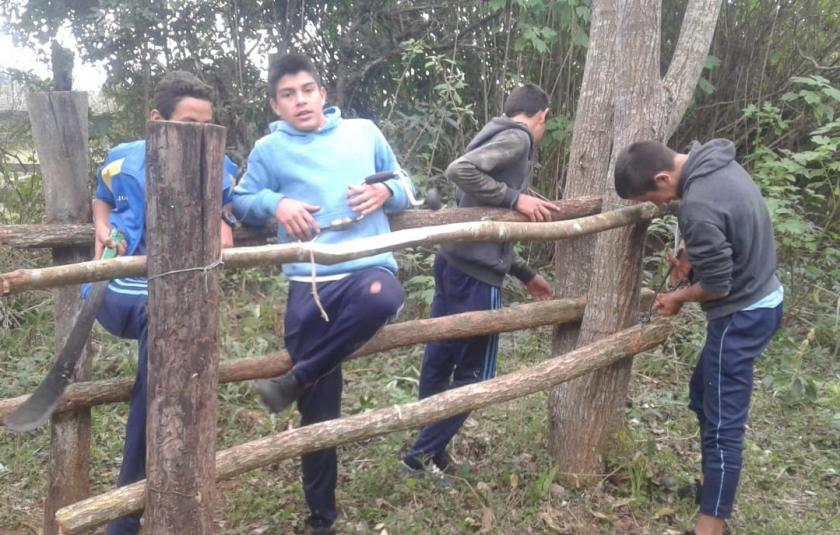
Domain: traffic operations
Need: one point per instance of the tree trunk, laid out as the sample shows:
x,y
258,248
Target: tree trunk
x,y
60,128
264,451
183,200
587,411
588,165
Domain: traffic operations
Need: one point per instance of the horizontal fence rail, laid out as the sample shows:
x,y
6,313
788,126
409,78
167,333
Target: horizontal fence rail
x,y
97,510
240,257
38,236
508,319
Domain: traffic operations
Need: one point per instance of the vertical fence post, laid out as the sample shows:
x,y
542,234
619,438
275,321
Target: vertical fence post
x,y
183,209
60,128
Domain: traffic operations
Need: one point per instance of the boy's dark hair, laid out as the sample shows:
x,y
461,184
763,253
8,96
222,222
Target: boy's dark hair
x,y
636,166
176,85
289,64
528,99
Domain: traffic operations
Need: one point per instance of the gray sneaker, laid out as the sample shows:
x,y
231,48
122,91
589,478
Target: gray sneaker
x,y
413,468
278,393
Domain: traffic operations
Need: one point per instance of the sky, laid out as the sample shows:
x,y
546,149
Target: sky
x,y
86,76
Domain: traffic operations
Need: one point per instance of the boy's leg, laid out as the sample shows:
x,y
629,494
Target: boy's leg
x,y
732,345
474,358
321,402
124,315
358,306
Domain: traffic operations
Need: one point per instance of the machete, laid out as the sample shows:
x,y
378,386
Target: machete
x,y
38,408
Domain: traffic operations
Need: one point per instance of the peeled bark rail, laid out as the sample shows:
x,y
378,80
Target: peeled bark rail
x,y
240,257
39,236
239,459
515,318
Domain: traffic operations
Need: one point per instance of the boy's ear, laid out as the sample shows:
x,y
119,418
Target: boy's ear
x,y
662,179
155,115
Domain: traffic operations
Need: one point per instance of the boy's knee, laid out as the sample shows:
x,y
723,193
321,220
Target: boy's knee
x,y
383,297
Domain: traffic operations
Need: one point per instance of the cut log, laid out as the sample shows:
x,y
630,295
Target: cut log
x,y
36,236
264,451
240,257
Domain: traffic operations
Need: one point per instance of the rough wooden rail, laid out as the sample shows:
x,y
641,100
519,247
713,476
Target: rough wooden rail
x,y
39,235
96,511
240,257
508,319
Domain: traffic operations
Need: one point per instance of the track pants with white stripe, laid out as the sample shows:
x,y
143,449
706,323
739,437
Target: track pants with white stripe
x,y
720,392
123,314
449,364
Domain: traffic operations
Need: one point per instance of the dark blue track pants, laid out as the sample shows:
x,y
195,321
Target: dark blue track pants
x,y
720,392
358,306
449,364
124,315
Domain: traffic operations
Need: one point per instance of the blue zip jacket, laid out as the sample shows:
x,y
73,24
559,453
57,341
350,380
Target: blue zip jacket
x,y
317,168
121,182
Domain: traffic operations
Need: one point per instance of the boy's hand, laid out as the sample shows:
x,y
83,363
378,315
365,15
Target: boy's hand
x,y
296,218
226,236
539,288
103,240
367,198
534,208
668,304
680,265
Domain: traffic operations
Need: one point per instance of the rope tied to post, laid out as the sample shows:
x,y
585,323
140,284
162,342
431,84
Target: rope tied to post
x,y
218,263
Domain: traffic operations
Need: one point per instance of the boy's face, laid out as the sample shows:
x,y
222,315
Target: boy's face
x,y
299,100
665,192
538,130
188,110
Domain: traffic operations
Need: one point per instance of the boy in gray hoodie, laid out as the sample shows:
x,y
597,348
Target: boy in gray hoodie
x,y
730,261
495,171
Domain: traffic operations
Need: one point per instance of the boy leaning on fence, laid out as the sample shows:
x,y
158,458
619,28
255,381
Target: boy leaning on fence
x,y
309,173
495,171
731,261
120,204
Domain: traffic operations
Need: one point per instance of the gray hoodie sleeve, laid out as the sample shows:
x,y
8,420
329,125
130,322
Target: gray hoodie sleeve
x,y
470,171
710,254
520,269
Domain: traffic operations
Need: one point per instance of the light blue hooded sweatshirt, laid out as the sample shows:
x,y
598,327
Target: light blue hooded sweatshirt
x,y
317,168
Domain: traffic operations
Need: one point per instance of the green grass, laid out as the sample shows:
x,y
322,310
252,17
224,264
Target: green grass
x,y
790,483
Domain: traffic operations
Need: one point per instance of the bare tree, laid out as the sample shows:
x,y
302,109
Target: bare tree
x,y
628,102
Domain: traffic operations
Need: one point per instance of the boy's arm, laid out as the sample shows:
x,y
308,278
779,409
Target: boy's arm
x,y
537,286
228,179
103,205
520,269
384,160
471,171
255,198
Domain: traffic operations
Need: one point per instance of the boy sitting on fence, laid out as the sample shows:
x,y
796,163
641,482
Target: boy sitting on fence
x,y
120,203
495,171
731,261
309,173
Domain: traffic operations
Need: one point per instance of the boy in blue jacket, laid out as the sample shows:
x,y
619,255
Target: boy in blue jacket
x,y
731,261
309,172
120,203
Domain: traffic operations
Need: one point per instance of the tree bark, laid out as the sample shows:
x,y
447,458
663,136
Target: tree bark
x,y
135,266
403,334
183,207
588,165
36,236
261,452
60,128
590,408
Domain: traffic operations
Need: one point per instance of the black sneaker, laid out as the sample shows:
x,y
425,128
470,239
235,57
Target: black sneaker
x,y
448,465
411,466
320,530
278,393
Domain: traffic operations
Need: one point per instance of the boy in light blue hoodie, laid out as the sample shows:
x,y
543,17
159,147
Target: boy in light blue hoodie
x,y
309,173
